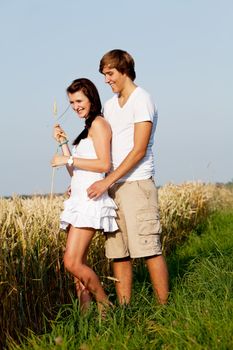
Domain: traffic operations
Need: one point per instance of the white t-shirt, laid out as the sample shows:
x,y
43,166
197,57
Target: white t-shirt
x,y
138,108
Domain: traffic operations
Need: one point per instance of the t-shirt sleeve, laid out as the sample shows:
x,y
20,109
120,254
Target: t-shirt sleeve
x,y
105,110
145,109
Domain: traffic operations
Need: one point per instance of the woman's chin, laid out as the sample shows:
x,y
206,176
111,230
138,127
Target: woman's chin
x,y
81,116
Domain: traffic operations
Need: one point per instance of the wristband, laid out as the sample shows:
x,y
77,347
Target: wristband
x,y
63,143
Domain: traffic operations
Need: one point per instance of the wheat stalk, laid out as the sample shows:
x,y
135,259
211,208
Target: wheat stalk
x,y
53,169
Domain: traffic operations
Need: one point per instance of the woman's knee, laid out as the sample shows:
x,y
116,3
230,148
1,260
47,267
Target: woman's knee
x,y
72,264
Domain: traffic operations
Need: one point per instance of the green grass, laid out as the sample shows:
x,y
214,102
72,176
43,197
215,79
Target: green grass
x,y
199,314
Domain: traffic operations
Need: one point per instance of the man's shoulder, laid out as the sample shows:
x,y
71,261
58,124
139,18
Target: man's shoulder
x,y
111,100
142,92
109,106
142,98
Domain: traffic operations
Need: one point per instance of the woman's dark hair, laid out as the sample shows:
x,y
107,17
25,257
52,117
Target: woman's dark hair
x,y
91,92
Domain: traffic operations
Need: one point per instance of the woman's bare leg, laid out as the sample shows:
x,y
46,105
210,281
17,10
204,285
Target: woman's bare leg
x,y
77,245
83,293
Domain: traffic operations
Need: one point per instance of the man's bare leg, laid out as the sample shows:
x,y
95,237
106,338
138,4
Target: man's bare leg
x,y
158,271
122,269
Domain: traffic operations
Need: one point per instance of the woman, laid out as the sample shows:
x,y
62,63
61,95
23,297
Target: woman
x,y
89,161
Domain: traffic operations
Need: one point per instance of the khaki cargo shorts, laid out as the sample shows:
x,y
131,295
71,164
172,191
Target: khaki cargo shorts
x,y
138,221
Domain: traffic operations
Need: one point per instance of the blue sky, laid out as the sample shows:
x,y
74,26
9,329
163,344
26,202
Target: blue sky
x,y
183,52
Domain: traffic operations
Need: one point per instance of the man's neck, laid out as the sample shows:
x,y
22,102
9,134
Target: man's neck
x,y
125,93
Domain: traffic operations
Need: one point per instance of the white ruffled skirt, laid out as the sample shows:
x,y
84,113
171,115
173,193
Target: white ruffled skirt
x,y
84,212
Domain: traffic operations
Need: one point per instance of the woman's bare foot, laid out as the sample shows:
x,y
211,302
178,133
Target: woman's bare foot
x,y
84,296
85,300
104,307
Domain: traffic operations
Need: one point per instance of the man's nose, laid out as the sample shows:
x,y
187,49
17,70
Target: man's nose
x,y
106,79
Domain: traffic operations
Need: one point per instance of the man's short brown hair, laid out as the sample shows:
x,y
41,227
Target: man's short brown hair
x,y
120,60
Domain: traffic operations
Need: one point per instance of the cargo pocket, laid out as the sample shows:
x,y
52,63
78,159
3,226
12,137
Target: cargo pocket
x,y
149,228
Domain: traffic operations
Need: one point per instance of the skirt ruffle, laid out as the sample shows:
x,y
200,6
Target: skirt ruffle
x,y
99,214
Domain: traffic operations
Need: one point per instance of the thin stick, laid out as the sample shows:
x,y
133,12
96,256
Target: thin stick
x,y
111,278
53,171
52,183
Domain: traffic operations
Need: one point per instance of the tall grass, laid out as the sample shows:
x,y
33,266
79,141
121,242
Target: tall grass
x,y
33,280
185,206
199,314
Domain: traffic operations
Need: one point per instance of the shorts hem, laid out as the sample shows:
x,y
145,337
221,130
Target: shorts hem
x,y
146,255
118,257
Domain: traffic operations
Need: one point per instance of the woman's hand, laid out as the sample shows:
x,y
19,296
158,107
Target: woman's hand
x,y
59,134
59,160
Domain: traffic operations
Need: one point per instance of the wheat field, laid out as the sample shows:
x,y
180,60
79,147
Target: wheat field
x,y
33,281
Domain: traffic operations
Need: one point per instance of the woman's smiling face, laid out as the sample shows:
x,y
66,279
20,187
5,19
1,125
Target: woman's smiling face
x,y
80,103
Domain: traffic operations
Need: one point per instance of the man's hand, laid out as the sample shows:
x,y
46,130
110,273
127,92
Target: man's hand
x,y
97,189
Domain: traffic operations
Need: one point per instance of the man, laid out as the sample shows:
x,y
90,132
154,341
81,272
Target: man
x,y
133,117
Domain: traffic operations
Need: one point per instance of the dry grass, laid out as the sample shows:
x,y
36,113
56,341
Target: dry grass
x,y
32,278
33,281
184,206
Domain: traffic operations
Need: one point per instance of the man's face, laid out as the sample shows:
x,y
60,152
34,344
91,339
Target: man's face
x,y
114,78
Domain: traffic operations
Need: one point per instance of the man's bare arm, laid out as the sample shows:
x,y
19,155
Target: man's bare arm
x,y
142,132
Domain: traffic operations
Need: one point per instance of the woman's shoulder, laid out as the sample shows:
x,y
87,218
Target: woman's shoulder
x,y
100,124
100,121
